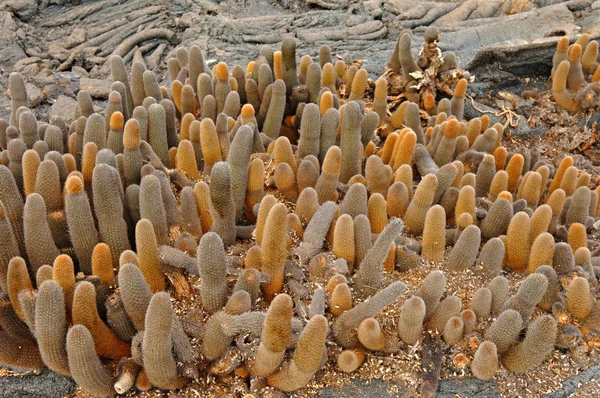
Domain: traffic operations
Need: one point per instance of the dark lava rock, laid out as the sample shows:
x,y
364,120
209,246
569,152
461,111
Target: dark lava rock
x,y
46,384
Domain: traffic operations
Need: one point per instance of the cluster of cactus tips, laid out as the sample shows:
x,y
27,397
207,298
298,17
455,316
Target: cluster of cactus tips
x,y
329,188
575,74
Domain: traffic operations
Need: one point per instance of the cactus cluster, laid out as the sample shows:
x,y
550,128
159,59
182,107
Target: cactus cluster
x,y
329,195
575,74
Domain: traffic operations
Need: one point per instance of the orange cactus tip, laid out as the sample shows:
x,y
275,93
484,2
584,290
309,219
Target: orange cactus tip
x,y
485,122
452,127
563,45
575,53
289,121
326,102
62,261
506,195
429,101
327,96
74,185
131,137
461,88
117,121
247,111
305,61
250,67
596,76
221,71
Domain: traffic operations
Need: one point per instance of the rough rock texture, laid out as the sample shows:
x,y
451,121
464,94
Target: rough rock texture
x,y
447,389
572,384
60,48
64,107
467,388
359,388
45,384
98,88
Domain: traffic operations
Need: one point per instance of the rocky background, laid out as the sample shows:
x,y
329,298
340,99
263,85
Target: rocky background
x,y
61,46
